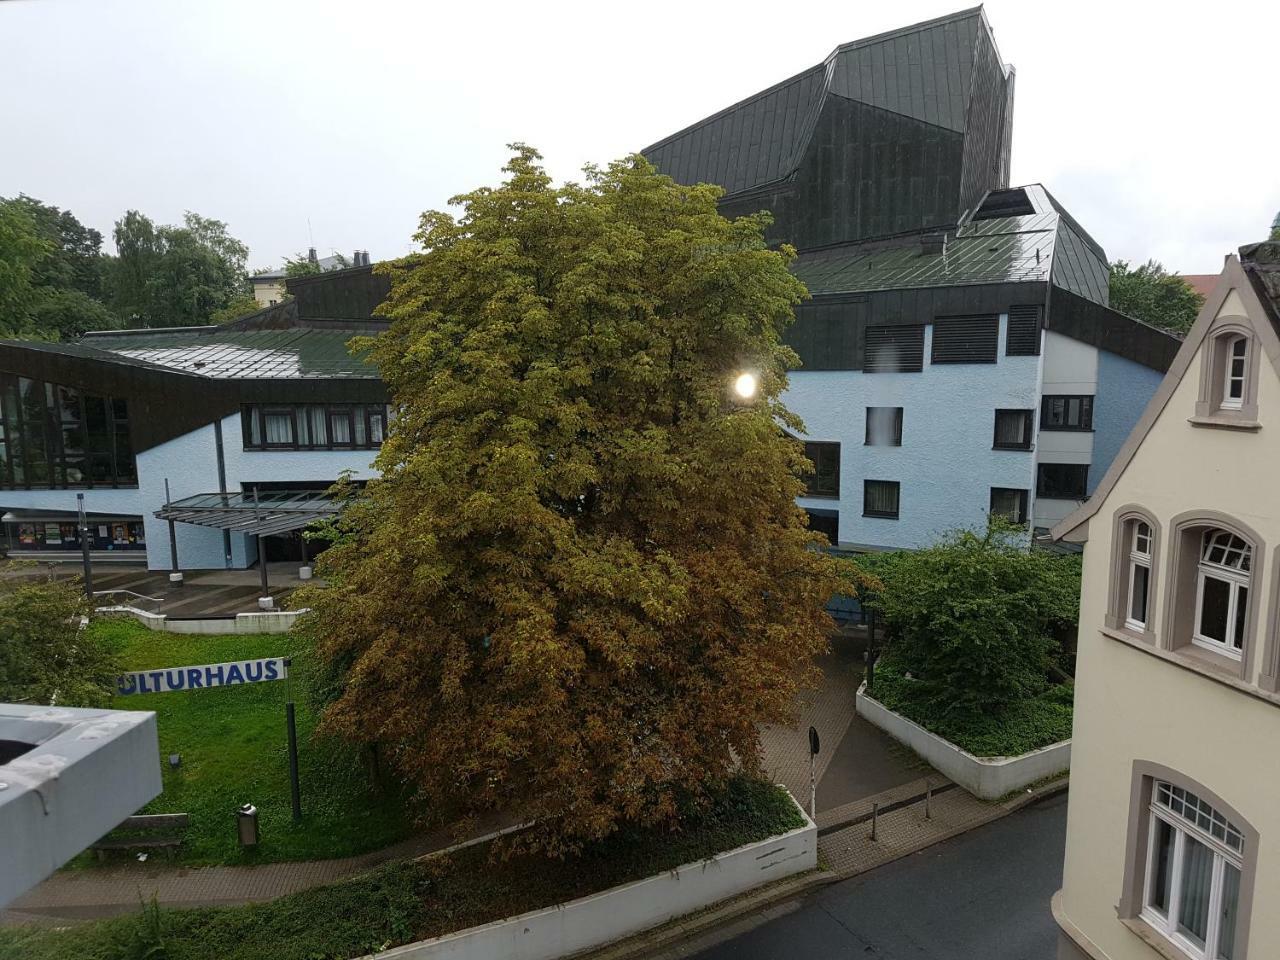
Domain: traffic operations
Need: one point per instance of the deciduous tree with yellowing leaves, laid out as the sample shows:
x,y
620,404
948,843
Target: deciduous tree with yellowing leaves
x,y
582,582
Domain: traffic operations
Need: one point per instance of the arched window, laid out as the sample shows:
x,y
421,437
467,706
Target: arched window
x,y
1222,592
1194,863
1235,353
1139,593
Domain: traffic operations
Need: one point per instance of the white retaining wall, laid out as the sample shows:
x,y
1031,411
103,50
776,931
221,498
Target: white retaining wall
x,y
276,621
985,777
621,912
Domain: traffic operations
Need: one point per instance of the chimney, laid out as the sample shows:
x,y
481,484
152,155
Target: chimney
x,y
355,259
365,254
933,243
311,255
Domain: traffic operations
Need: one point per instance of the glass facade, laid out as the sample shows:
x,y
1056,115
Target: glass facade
x,y
340,426
53,435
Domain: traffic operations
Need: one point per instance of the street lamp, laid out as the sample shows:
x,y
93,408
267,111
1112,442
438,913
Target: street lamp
x,y
746,386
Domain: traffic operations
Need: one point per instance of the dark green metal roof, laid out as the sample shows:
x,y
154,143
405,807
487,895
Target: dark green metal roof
x,y
242,354
1033,248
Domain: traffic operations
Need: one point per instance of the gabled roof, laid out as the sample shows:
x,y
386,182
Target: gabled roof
x,y
922,71
1257,282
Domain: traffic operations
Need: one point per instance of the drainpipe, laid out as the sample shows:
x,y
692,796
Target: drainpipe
x,y
222,487
176,576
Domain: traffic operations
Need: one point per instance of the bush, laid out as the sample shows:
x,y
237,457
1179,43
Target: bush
x,y
972,617
1019,727
45,656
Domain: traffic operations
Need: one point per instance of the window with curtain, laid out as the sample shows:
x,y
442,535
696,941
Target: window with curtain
x,y
1194,860
313,426
277,428
1009,503
1013,430
1139,574
884,427
1222,593
880,498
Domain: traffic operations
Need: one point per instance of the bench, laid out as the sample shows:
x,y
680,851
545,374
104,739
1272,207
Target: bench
x,y
157,831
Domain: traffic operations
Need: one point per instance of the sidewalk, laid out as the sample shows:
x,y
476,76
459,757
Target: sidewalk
x,y
94,893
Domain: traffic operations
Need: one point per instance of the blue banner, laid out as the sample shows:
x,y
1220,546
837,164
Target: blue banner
x,y
173,679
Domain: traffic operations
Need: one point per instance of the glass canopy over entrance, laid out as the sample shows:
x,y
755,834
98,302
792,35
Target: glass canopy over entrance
x,y
262,515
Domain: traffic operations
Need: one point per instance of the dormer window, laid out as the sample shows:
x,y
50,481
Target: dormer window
x,y
1236,355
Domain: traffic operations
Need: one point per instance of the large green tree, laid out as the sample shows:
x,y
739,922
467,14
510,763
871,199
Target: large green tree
x,y
75,258
582,582
22,250
171,276
1155,296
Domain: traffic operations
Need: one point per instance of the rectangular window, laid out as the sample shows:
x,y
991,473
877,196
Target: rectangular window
x,y
1013,430
825,479
1066,413
880,498
1062,481
884,427
894,350
965,339
1009,503
1022,339
825,522
342,426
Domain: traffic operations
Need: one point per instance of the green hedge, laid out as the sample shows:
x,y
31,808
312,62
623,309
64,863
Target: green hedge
x,y
414,900
1020,727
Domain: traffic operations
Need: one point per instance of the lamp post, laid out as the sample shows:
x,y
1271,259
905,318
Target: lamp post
x,y
84,546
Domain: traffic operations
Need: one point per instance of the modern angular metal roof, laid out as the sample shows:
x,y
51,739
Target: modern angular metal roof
x,y
297,353
1037,247
268,513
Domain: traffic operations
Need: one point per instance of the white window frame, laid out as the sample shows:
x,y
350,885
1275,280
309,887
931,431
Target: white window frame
x,y
1235,579
1229,377
1139,558
1222,856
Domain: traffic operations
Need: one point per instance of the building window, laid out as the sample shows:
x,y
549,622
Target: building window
x,y
1022,339
1009,503
880,498
1222,593
54,435
1139,592
1062,481
1195,858
965,339
894,350
825,479
884,427
1013,430
825,522
1066,413
1229,375
342,426
1236,354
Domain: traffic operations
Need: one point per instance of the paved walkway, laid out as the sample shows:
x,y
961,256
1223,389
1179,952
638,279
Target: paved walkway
x,y
857,765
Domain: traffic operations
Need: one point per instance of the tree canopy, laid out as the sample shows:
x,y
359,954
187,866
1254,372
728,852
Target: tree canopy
x,y
173,276
1151,294
45,657
582,581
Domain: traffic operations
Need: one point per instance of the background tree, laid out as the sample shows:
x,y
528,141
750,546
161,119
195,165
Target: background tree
x,y
582,582
172,276
22,250
304,266
45,657
75,261
1275,228
1150,294
242,306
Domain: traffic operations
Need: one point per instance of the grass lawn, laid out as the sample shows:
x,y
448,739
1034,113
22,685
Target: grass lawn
x,y
234,751
414,900
1019,728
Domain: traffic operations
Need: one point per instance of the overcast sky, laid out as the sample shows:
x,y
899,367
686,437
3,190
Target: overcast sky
x,y
338,123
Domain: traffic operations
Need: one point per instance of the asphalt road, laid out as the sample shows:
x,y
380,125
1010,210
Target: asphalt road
x,y
981,895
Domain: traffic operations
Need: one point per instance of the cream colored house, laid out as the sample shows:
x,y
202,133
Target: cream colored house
x,y
1173,829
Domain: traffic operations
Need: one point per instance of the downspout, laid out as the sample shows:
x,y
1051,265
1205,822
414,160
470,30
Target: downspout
x,y
222,488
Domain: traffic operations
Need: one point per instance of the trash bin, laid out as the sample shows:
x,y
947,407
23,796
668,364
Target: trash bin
x,y
247,825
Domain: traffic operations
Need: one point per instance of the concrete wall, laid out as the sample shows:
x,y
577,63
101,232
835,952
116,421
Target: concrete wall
x,y
1140,702
623,911
275,621
987,777
945,466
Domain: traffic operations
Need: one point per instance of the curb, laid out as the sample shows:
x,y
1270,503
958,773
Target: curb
x,y
654,941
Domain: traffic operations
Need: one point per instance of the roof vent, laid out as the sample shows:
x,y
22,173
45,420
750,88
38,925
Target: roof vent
x,y
933,243
999,204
